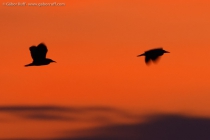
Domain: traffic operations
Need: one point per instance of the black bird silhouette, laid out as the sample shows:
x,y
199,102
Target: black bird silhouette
x,y
39,55
153,54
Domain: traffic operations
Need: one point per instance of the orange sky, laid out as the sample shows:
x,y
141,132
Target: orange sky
x,y
95,44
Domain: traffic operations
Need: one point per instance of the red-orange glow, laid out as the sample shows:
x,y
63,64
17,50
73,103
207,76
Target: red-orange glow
x,y
95,44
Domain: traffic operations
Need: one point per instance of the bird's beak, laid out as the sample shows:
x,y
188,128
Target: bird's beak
x,y
54,61
167,52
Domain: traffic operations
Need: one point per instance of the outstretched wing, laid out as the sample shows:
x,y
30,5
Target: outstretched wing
x,y
155,57
42,49
147,59
33,52
38,53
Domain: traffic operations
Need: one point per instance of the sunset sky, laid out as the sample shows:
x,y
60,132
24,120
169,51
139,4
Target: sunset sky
x,y
95,44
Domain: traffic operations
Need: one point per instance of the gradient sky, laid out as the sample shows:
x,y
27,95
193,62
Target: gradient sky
x,y
95,44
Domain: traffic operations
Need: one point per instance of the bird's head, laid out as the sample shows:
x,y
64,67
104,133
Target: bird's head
x,y
165,51
50,60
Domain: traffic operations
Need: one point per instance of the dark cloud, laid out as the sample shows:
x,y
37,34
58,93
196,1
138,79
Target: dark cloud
x,y
155,127
60,113
36,112
31,108
158,127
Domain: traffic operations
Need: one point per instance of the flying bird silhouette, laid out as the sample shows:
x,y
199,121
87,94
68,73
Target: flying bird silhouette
x,y
153,54
38,55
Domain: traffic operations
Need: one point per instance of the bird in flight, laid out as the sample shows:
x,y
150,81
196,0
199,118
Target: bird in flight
x,y
153,54
38,55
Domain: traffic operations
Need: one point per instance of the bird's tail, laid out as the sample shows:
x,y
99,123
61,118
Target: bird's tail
x,y
29,65
141,55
